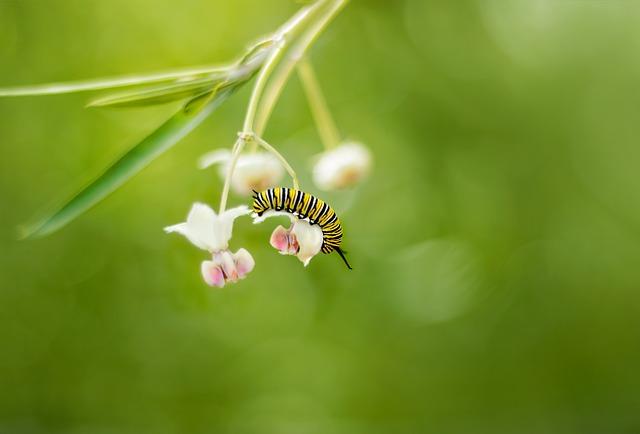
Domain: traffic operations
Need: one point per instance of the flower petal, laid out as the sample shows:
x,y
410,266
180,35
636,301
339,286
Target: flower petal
x,y
342,167
194,232
309,238
236,212
257,171
227,264
214,157
223,227
212,274
280,239
180,228
200,226
244,262
268,214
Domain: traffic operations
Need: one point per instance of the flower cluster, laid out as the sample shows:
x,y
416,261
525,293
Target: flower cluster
x,y
341,167
335,169
211,232
314,226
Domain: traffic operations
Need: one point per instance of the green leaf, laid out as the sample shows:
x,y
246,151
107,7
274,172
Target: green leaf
x,y
136,159
113,83
159,94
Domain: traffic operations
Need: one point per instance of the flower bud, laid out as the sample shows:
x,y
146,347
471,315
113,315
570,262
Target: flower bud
x,y
342,167
254,171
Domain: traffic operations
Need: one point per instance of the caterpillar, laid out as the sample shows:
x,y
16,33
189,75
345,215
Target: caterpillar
x,y
304,206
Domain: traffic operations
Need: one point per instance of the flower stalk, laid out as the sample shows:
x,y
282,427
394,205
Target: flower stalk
x,y
265,93
296,53
235,154
279,156
319,109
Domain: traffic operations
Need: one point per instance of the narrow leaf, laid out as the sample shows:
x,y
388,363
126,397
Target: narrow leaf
x,y
159,94
137,158
110,83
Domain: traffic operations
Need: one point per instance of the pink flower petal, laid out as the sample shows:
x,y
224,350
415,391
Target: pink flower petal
x,y
212,274
244,262
280,239
227,265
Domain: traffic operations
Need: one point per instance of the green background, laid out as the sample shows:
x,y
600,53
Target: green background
x,y
496,245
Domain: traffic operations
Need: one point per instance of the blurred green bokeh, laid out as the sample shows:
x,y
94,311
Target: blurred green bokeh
x,y
496,246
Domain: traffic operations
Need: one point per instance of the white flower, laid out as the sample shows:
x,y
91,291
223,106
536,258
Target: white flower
x,y
254,171
342,167
302,239
212,232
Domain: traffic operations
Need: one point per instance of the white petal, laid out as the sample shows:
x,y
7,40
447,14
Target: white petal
x,y
183,229
309,239
214,157
244,262
234,213
253,171
200,226
268,214
223,227
180,228
342,167
256,171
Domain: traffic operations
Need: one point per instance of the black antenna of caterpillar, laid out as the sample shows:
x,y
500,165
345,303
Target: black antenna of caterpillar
x,y
341,253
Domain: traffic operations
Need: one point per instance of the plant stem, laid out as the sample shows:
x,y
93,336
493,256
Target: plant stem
x,y
265,93
285,163
235,154
324,121
280,39
281,76
261,81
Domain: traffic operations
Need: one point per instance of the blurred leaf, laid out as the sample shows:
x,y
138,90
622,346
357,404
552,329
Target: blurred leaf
x,y
159,94
136,159
254,56
171,77
206,94
200,100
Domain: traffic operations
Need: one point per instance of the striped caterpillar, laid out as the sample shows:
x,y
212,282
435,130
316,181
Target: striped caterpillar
x,y
304,206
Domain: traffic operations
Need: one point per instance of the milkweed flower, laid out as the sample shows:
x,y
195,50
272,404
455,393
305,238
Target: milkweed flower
x,y
302,239
342,167
211,232
253,171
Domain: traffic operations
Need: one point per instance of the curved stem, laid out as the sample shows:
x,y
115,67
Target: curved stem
x,y
285,163
324,121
